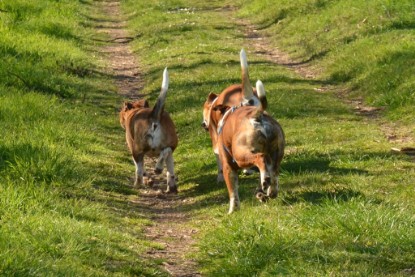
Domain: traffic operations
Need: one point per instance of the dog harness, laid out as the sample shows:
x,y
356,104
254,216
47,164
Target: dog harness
x,y
222,123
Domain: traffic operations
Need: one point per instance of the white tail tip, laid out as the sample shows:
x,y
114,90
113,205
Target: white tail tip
x,y
244,61
165,84
260,90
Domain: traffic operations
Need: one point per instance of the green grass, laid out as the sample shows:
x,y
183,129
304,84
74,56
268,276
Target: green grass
x,y
61,153
346,203
367,46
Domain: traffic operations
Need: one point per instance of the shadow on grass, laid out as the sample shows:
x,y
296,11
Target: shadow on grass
x,y
318,197
319,164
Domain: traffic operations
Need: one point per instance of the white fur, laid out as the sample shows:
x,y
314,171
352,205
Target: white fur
x,y
260,90
162,158
154,139
245,102
244,60
139,173
171,181
234,203
165,83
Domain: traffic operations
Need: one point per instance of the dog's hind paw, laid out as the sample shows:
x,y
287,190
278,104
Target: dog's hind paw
x,y
261,196
147,181
172,190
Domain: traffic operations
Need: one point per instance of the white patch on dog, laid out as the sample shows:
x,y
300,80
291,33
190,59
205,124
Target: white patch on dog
x,y
263,126
234,203
260,90
154,135
139,172
251,102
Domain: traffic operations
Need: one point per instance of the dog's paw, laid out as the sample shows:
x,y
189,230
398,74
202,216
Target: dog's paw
x,y
272,192
171,189
261,196
147,181
158,171
136,184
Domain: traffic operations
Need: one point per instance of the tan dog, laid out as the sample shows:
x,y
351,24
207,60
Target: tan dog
x,y
234,95
151,132
249,137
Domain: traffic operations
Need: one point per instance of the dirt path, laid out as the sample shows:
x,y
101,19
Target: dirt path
x,y
169,223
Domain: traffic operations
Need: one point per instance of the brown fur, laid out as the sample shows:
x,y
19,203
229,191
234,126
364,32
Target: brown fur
x,y
151,132
235,95
250,137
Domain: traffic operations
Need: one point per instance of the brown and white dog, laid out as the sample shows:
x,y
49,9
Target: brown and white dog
x,y
151,132
234,95
246,137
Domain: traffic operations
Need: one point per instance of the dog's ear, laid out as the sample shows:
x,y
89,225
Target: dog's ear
x,y
221,108
127,106
211,97
142,103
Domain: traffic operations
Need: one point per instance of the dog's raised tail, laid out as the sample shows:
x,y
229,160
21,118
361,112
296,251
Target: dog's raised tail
x,y
159,106
261,95
246,84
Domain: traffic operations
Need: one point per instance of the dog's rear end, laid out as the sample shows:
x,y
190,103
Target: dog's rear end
x,y
235,95
249,137
151,132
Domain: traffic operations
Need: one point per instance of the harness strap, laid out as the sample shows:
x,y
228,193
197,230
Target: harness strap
x,y
229,153
220,128
222,121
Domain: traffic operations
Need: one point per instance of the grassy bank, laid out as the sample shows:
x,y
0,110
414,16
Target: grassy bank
x,y
346,202
60,150
366,45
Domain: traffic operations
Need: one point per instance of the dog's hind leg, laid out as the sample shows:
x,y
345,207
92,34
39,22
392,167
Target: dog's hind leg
x,y
266,174
273,189
231,179
171,181
219,179
161,160
139,169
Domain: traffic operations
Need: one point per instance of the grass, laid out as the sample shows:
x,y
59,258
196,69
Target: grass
x,y
367,46
345,206
346,203
60,209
